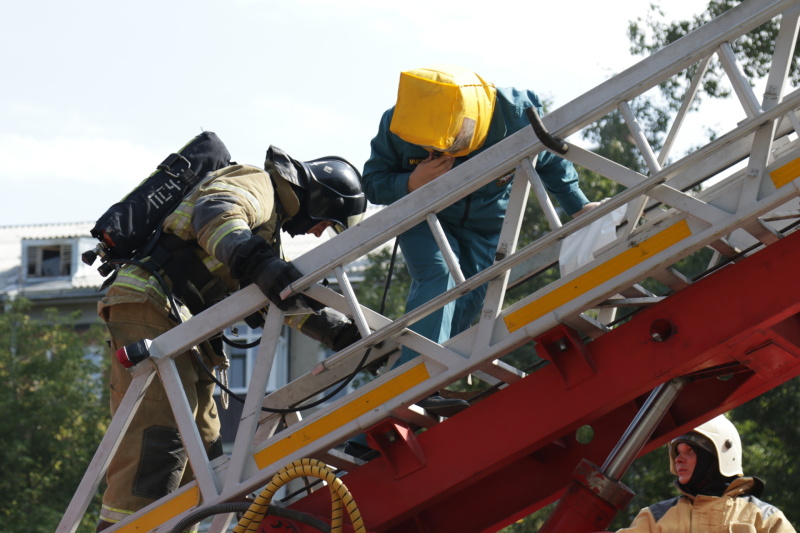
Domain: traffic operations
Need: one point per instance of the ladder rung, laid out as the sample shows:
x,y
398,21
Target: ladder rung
x,y
671,278
585,325
502,372
415,416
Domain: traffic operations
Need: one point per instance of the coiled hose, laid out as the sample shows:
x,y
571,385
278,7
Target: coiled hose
x,y
340,496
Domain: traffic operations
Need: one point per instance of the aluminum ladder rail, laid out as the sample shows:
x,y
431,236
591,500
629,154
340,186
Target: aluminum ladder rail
x,y
740,203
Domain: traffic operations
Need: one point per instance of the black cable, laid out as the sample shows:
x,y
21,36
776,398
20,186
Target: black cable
x,y
389,276
382,308
376,365
552,142
241,345
241,507
276,410
344,383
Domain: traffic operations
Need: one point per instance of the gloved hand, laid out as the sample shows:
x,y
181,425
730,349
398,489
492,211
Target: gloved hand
x,y
273,275
330,327
255,261
257,319
344,336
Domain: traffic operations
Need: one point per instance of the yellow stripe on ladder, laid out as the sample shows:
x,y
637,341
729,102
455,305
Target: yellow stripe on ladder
x,y
598,275
786,174
341,416
177,503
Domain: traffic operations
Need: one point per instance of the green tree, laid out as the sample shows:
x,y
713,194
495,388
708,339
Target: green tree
x,y
385,283
56,411
768,423
753,50
771,446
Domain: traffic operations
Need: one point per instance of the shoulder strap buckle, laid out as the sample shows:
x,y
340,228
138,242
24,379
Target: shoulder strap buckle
x,y
177,166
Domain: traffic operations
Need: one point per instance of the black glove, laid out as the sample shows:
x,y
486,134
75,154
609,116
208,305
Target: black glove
x,y
257,319
348,334
272,276
330,327
256,262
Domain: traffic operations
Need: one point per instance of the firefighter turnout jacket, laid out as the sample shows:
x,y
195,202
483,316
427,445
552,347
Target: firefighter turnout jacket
x,y
736,510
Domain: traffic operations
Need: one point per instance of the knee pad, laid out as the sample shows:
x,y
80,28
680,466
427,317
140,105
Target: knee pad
x,y
161,462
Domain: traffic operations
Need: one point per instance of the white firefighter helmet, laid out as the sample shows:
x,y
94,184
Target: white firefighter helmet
x,y
718,436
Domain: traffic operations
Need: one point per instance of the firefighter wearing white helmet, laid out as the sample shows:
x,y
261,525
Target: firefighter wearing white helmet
x,y
718,437
714,493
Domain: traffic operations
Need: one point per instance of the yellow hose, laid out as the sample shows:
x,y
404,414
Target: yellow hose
x,y
340,496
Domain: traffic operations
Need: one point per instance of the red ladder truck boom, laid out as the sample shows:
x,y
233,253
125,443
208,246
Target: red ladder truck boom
x,y
605,391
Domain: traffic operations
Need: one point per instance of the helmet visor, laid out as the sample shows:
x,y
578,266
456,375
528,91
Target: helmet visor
x,y
325,203
349,223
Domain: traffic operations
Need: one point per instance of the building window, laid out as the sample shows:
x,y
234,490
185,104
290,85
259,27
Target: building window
x,y
242,360
47,259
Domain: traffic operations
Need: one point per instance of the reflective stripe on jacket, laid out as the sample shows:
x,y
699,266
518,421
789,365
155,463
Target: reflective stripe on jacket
x,y
226,208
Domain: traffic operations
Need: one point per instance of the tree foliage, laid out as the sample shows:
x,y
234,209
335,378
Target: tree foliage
x,y
55,409
768,424
753,50
771,447
375,292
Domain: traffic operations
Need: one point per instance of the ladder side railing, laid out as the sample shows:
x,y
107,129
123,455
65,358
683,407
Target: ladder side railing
x,y
670,241
688,99
408,396
662,65
690,224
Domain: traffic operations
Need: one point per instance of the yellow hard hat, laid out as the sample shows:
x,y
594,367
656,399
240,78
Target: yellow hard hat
x,y
443,108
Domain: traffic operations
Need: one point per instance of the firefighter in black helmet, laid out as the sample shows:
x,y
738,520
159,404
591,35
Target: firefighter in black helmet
x,y
224,235
329,189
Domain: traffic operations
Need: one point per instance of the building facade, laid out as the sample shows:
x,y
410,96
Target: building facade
x,y
42,263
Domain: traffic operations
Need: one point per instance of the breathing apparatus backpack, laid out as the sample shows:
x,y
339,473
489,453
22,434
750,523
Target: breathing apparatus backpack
x,y
130,227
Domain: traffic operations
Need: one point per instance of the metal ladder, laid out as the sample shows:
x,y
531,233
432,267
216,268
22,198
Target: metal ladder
x,y
747,208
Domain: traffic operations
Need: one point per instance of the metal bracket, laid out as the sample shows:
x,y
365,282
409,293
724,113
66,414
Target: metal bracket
x,y
563,347
398,445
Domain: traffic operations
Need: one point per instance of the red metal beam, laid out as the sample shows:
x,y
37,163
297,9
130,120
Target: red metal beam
x,y
514,452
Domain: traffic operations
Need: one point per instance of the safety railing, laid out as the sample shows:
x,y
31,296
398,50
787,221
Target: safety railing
x,y
665,221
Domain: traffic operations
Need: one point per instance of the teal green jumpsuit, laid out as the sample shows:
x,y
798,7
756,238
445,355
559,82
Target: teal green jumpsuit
x,y
472,225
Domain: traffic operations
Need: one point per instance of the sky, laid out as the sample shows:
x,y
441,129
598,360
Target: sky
x,y
96,93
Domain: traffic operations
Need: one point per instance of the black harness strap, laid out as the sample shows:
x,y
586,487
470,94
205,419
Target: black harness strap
x,y
191,281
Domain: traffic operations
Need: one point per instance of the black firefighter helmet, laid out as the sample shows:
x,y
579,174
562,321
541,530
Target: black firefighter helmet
x,y
333,187
328,188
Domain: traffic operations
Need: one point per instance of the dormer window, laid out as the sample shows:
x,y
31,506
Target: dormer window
x,y
47,258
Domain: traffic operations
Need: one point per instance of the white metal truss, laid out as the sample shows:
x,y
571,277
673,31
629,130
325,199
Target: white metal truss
x,y
666,220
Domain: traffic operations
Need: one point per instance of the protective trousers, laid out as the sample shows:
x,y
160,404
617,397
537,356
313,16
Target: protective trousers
x,y
430,277
151,461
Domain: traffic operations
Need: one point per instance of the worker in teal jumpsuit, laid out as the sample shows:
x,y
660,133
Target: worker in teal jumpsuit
x,y
413,147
